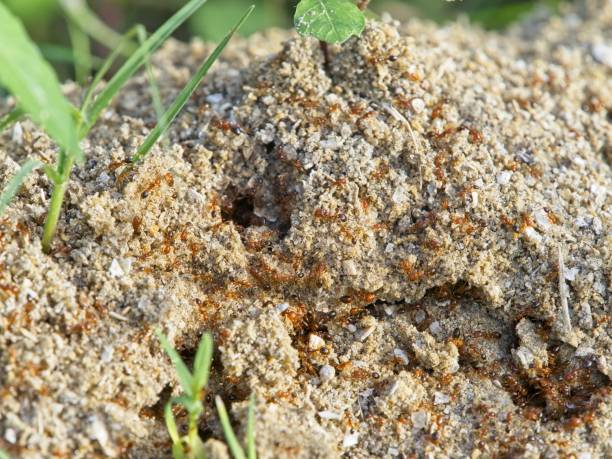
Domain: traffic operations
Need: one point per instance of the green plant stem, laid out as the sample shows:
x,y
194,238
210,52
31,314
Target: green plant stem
x,y
57,197
193,429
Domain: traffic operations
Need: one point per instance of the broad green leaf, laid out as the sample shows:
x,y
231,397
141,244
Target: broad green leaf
x,y
332,21
136,60
201,365
34,84
184,376
251,451
186,93
13,185
228,432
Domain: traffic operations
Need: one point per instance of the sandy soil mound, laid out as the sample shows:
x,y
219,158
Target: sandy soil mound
x,y
405,252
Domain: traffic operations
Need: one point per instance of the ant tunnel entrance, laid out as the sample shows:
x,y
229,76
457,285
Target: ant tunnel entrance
x,y
262,205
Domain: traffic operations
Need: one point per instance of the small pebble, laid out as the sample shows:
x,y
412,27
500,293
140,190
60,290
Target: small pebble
x,y
420,419
440,398
503,178
541,218
364,333
10,436
17,135
402,355
602,54
280,308
315,342
329,415
115,269
327,372
418,104
420,316
533,235
349,267
350,440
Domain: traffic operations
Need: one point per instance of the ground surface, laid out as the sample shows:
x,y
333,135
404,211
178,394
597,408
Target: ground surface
x,y
403,253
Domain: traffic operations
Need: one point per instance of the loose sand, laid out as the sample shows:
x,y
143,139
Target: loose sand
x,y
403,253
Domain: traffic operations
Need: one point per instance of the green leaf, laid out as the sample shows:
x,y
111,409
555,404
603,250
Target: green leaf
x,y
184,376
186,93
13,185
230,436
81,15
136,61
251,451
171,424
201,365
34,84
332,21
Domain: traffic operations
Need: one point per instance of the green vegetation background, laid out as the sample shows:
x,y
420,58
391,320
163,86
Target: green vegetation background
x,y
47,26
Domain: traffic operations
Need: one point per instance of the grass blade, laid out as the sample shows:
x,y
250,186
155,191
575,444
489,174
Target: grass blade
x,y
186,93
182,371
171,423
13,184
82,53
11,117
230,436
34,84
201,365
136,61
81,15
251,451
155,94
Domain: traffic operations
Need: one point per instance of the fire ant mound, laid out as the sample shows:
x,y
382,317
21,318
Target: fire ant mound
x,y
404,251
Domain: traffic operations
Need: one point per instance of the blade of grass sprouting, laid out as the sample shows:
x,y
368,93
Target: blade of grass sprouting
x,y
14,183
171,423
79,12
228,432
201,365
184,376
186,93
155,94
136,60
33,83
82,52
11,117
251,450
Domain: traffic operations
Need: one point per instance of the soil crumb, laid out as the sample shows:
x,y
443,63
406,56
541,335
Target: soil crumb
x,y
404,253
